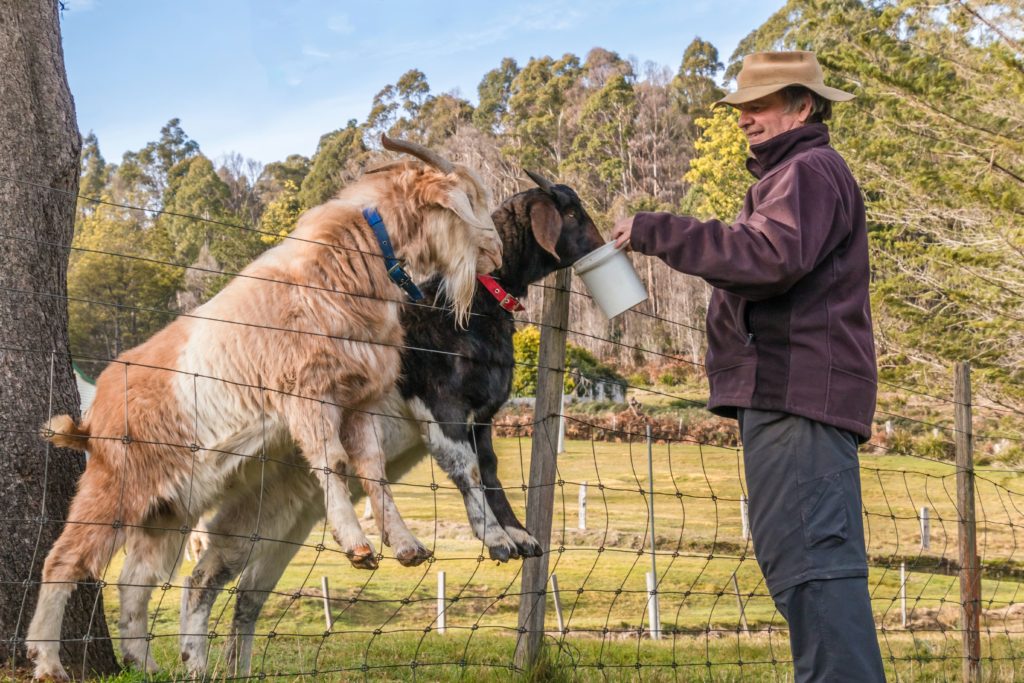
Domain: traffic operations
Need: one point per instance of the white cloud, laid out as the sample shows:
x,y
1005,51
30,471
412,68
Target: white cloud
x,y
340,23
310,51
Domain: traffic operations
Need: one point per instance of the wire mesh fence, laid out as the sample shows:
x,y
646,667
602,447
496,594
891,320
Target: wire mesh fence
x,y
649,570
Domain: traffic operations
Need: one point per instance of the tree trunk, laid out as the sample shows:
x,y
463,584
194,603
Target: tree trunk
x,y
40,144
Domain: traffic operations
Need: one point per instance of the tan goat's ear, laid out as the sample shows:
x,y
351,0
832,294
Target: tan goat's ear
x,y
457,202
546,222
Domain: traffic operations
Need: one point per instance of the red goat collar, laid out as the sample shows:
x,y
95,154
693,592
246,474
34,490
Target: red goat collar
x,y
505,300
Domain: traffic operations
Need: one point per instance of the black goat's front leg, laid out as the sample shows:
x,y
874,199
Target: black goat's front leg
x,y
488,462
449,439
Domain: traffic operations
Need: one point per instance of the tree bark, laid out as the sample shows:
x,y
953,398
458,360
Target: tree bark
x,y
39,149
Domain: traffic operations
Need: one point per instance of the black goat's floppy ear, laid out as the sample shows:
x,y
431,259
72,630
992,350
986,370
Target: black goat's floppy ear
x,y
546,223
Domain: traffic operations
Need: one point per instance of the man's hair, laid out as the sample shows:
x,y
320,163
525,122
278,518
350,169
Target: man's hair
x,y
821,108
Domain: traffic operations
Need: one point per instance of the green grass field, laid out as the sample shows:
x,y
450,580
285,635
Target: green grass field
x,y
384,620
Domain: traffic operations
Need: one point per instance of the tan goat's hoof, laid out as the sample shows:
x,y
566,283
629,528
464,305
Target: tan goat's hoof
x,y
413,556
362,557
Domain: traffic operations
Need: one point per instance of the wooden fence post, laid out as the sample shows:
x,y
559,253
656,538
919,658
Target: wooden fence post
x,y
970,571
541,497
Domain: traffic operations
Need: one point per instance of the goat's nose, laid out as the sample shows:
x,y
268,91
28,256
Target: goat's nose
x,y
488,262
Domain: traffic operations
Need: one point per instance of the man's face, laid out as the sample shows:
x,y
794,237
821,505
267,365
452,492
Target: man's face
x,y
764,118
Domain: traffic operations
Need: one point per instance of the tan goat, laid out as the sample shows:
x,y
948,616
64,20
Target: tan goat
x,y
297,350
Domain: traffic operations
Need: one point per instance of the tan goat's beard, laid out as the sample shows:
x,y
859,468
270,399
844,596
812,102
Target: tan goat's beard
x,y
458,286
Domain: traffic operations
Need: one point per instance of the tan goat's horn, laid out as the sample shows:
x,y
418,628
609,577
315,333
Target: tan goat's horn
x,y
542,182
418,151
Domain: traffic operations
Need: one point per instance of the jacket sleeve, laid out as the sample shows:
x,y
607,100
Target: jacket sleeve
x,y
792,226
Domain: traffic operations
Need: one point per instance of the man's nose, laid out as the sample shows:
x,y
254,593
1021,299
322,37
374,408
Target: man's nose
x,y
745,119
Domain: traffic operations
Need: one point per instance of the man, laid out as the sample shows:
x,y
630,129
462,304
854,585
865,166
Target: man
x,y
791,355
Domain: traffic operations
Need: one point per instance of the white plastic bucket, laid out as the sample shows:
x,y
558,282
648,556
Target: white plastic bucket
x,y
611,280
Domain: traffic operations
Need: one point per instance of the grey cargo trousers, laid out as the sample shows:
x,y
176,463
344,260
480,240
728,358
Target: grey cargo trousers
x,y
803,484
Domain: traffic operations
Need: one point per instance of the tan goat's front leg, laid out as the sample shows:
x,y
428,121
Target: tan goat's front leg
x,y
316,428
363,444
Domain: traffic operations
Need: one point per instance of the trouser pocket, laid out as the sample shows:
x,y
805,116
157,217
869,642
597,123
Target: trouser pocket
x,y
824,511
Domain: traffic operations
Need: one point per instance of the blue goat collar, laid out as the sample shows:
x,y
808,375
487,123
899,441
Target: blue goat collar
x,y
395,270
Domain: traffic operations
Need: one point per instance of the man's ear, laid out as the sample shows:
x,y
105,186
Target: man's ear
x,y
806,107
546,223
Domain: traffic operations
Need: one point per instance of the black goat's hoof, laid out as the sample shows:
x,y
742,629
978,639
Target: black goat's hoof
x,y
533,550
499,553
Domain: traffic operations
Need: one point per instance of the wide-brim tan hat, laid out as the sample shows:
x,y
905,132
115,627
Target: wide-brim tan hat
x,y
766,72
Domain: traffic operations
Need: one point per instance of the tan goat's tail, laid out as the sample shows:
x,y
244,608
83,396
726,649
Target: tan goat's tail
x,y
62,432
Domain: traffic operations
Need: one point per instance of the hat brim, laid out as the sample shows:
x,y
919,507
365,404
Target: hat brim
x,y
744,95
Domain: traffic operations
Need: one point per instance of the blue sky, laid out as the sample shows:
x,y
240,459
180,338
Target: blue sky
x,y
268,78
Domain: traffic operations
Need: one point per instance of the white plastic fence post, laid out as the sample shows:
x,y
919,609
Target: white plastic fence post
x,y
745,518
367,509
582,514
903,594
441,604
325,591
926,530
739,603
653,611
561,426
558,603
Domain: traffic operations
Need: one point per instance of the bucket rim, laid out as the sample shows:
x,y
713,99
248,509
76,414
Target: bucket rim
x,y
597,257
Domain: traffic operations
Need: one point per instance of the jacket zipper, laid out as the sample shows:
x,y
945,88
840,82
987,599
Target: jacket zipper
x,y
745,324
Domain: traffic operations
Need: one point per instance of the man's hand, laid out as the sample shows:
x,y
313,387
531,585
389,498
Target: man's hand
x,y
622,231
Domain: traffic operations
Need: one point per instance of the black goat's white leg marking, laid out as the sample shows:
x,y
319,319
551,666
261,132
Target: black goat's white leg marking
x,y
459,461
527,545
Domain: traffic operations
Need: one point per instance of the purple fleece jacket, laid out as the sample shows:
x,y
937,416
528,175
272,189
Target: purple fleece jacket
x,y
789,324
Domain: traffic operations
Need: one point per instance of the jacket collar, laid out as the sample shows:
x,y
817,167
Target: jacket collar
x,y
770,153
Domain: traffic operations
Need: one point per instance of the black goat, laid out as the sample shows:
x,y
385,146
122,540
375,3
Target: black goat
x,y
444,405
456,394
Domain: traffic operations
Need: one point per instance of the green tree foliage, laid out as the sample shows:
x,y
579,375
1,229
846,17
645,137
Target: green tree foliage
x,y
118,296
96,174
145,172
194,191
276,175
718,176
494,92
694,84
200,228
439,117
540,131
526,349
600,152
281,215
579,363
337,158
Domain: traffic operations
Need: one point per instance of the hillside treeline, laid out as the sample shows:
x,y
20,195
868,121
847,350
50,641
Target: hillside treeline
x,y
936,138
